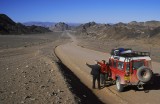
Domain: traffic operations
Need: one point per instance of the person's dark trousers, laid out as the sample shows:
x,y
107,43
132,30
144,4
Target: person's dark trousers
x,y
96,77
104,77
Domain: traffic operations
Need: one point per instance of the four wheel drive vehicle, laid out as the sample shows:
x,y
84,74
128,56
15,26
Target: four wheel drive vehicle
x,y
130,68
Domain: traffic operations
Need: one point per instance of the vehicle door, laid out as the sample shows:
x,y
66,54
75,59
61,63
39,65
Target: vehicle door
x,y
135,65
120,71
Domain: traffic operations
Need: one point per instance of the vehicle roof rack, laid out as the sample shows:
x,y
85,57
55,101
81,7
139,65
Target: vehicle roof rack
x,y
135,54
142,53
128,53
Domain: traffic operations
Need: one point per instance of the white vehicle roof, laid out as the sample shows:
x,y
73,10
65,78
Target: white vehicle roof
x,y
127,59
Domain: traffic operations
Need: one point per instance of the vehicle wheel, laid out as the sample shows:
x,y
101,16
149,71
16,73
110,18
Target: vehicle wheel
x,y
119,85
144,74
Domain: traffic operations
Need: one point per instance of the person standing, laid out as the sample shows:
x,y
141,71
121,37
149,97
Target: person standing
x,y
95,72
103,72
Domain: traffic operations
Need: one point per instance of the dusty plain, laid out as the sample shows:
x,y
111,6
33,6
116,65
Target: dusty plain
x,y
29,72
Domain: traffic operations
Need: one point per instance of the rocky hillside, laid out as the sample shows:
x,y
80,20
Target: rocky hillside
x,y
119,30
147,23
61,26
8,26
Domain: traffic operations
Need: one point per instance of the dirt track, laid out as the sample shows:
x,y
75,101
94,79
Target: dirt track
x,y
75,57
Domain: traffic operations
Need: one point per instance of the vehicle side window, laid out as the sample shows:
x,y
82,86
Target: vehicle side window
x,y
120,65
114,64
138,64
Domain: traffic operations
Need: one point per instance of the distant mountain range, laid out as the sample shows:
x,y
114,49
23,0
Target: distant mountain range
x,y
53,26
47,24
43,24
8,26
119,30
149,29
152,23
61,26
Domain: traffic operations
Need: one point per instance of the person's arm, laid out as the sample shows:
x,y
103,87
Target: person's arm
x,y
99,63
88,65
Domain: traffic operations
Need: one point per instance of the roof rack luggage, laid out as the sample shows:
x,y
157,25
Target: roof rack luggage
x,y
128,53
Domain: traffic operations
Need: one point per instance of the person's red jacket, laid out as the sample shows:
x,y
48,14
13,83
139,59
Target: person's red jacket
x,y
104,68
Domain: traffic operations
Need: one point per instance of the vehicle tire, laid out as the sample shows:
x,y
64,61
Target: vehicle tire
x,y
119,85
144,74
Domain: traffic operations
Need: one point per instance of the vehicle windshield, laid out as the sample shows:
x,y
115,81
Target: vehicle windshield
x,y
138,64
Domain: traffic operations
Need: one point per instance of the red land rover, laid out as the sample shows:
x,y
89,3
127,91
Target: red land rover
x,y
130,68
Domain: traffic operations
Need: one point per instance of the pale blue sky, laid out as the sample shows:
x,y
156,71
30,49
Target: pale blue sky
x,y
81,11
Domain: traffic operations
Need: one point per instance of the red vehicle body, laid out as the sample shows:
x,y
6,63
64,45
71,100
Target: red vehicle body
x,y
130,68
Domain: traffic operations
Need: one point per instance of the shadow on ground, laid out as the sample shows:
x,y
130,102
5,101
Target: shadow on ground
x,y
153,85
83,95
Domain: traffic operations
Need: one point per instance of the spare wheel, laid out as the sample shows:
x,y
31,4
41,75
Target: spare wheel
x,y
144,74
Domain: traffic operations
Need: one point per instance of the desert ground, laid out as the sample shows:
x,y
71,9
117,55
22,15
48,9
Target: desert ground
x,y
31,73
28,70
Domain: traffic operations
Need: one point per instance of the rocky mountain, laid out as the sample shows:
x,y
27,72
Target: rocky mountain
x,y
8,26
152,23
119,30
61,26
